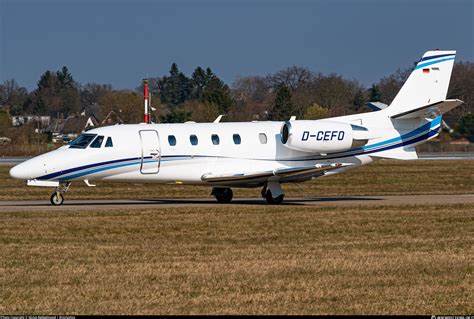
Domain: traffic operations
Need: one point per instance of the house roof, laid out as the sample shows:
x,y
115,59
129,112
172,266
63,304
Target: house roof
x,y
72,124
94,110
460,141
112,118
55,126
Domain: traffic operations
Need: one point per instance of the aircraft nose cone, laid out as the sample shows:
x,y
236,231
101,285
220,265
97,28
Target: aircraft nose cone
x,y
19,172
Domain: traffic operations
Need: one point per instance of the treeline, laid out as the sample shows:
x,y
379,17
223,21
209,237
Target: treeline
x,y
203,96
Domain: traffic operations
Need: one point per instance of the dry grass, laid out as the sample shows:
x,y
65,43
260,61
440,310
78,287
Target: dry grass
x,y
287,260
380,178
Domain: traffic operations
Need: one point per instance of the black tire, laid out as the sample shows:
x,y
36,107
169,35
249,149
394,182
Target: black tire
x,y
264,191
57,200
223,195
274,201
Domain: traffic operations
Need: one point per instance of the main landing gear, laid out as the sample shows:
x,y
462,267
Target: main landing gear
x,y
272,193
222,194
57,197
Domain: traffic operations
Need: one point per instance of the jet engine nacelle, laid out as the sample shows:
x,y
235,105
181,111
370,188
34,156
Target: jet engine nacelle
x,y
322,136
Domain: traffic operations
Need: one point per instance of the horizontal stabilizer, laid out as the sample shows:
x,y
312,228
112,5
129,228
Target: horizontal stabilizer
x,y
377,106
429,111
397,153
263,176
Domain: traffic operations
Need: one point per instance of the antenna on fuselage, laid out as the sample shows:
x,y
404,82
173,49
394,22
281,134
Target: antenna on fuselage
x,y
218,119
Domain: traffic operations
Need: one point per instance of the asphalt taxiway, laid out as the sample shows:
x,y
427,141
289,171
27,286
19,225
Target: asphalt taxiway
x,y
131,204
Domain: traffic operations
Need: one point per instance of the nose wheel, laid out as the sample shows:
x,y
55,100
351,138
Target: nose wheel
x,y
57,197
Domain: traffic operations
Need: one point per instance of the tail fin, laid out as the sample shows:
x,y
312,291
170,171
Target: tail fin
x,y
427,84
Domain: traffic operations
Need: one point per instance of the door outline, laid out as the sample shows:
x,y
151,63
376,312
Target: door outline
x,y
158,149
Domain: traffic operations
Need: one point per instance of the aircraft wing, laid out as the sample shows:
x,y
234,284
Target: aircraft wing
x,y
281,173
430,110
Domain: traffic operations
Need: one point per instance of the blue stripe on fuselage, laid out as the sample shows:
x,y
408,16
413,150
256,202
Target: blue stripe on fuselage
x,y
65,178
74,169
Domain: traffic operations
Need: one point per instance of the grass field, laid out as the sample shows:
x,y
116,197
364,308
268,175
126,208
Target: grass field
x,y
320,260
405,259
380,178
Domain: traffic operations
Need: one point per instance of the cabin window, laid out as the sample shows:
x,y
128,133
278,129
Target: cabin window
x,y
215,139
237,139
109,143
193,139
82,141
171,140
263,138
97,142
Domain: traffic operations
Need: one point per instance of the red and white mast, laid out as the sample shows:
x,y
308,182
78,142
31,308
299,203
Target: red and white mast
x,y
146,116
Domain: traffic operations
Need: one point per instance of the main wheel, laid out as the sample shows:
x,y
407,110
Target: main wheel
x,y
274,201
57,200
223,195
264,191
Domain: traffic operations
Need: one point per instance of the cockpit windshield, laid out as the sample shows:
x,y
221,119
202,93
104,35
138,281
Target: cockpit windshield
x,y
82,141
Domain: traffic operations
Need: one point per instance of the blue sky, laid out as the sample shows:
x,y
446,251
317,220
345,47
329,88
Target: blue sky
x,y
121,42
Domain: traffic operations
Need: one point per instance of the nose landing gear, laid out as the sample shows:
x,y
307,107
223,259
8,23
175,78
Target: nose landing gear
x,y
57,197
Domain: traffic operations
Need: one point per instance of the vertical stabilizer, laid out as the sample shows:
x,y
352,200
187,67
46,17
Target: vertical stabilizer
x,y
427,84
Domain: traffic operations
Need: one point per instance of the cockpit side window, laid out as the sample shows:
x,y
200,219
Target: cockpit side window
x,y
97,142
82,141
109,143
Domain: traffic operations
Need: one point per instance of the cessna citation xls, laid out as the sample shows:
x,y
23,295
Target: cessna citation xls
x,y
255,154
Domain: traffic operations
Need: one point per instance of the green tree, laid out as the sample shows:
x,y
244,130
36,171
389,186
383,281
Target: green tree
x,y
218,93
57,93
360,100
374,94
176,88
466,125
66,82
199,80
176,115
209,89
283,108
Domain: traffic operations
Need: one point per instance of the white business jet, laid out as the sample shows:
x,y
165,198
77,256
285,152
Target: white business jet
x,y
254,154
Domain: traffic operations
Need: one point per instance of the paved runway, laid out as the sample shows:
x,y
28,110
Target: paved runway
x,y
129,204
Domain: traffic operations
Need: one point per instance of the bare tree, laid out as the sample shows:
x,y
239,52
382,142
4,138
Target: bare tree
x,y
13,95
92,92
292,77
462,87
390,85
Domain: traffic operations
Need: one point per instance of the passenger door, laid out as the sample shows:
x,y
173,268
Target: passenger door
x,y
151,154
